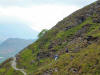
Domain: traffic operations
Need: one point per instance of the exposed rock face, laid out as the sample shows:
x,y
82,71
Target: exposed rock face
x,y
68,27
83,30
43,55
91,38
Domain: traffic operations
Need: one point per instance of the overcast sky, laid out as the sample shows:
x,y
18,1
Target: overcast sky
x,y
38,14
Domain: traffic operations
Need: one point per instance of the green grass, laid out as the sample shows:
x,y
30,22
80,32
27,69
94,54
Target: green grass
x,y
87,59
8,70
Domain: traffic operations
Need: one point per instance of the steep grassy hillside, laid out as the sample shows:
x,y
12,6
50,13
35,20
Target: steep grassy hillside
x,y
79,33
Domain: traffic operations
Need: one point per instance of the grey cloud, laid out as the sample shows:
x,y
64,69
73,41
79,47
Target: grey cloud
x,y
35,2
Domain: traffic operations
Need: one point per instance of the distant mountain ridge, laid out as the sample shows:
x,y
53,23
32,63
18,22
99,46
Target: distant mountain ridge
x,y
0,41
13,43
11,46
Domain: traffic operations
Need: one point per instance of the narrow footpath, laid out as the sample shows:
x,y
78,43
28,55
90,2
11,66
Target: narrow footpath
x,y
13,64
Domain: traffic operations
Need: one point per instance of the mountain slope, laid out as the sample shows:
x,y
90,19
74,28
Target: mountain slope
x,y
12,46
79,33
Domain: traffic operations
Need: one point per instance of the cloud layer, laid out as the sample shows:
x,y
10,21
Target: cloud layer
x,y
38,2
38,17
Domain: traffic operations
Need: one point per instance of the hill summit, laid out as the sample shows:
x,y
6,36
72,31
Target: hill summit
x,y
71,47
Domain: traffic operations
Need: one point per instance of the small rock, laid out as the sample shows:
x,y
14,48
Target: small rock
x,y
56,69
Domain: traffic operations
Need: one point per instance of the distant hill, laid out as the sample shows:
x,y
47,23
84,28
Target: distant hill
x,y
12,46
0,41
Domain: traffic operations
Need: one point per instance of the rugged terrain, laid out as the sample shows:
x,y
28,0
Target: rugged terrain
x,y
79,33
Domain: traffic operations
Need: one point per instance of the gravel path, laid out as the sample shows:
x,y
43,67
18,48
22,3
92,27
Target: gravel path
x,y
14,66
